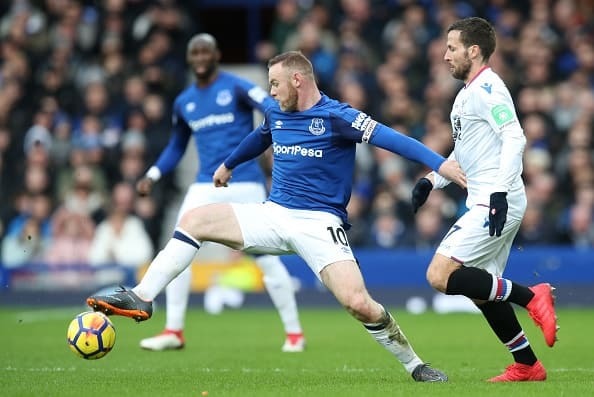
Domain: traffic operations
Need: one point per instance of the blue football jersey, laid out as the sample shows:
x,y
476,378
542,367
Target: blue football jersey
x,y
314,153
314,156
219,116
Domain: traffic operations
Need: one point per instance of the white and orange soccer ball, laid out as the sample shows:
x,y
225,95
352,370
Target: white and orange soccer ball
x,y
91,335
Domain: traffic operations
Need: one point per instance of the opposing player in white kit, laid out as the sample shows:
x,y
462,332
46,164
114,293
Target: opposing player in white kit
x,y
314,141
489,144
218,111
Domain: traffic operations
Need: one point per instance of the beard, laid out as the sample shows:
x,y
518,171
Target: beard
x,y
204,73
461,72
290,104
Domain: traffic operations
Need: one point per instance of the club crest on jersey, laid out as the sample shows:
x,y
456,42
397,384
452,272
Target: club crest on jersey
x,y
224,98
190,106
317,126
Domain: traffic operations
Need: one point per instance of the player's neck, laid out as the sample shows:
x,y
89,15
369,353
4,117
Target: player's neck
x,y
474,72
206,81
308,100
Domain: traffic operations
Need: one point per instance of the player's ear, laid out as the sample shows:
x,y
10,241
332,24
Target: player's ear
x,y
296,79
474,51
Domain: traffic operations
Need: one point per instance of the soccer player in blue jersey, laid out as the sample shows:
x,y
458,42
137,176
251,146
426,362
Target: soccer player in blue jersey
x,y
314,139
218,111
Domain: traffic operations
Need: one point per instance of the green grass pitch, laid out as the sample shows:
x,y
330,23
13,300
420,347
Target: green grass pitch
x,y
238,353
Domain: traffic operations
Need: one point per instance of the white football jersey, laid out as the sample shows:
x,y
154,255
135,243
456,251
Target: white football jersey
x,y
488,142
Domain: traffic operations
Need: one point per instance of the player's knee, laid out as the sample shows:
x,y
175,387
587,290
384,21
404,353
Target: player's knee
x,y
186,221
360,306
436,278
192,221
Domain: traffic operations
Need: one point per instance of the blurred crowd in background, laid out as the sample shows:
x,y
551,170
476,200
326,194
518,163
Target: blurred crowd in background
x,y
86,89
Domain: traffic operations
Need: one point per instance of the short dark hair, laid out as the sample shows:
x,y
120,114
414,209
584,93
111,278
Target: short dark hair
x,y
294,60
476,31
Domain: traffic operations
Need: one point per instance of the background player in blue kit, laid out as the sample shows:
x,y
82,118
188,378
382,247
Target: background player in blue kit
x,y
314,140
217,110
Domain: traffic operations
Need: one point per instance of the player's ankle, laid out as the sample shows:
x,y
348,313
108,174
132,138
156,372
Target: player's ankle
x,y
177,332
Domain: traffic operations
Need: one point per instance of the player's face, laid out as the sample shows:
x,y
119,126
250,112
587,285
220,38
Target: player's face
x,y
281,88
203,59
457,56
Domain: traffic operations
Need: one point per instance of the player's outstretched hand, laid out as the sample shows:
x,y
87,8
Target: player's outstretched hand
x,y
497,213
420,193
450,169
222,176
144,186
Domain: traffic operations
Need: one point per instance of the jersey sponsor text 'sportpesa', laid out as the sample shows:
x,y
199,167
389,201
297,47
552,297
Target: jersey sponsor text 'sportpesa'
x,y
219,116
315,147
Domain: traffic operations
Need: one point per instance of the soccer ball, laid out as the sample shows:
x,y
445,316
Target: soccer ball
x,y
91,335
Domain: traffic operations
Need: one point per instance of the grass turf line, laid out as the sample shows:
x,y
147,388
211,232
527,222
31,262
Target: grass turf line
x,y
238,354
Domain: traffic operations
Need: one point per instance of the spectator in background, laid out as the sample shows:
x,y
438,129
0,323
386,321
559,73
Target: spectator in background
x,y
387,230
162,67
357,209
84,190
72,234
309,40
581,226
158,119
121,238
28,235
534,229
576,224
287,17
135,51
427,231
132,164
98,119
365,20
148,210
133,92
5,188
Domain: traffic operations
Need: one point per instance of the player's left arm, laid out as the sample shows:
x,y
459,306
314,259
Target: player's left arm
x,y
366,130
500,113
438,181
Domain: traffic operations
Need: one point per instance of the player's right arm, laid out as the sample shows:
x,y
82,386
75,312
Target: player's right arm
x,y
170,156
250,147
253,145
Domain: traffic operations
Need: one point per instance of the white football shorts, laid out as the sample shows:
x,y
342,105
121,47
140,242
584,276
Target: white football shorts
x,y
203,193
468,241
316,236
